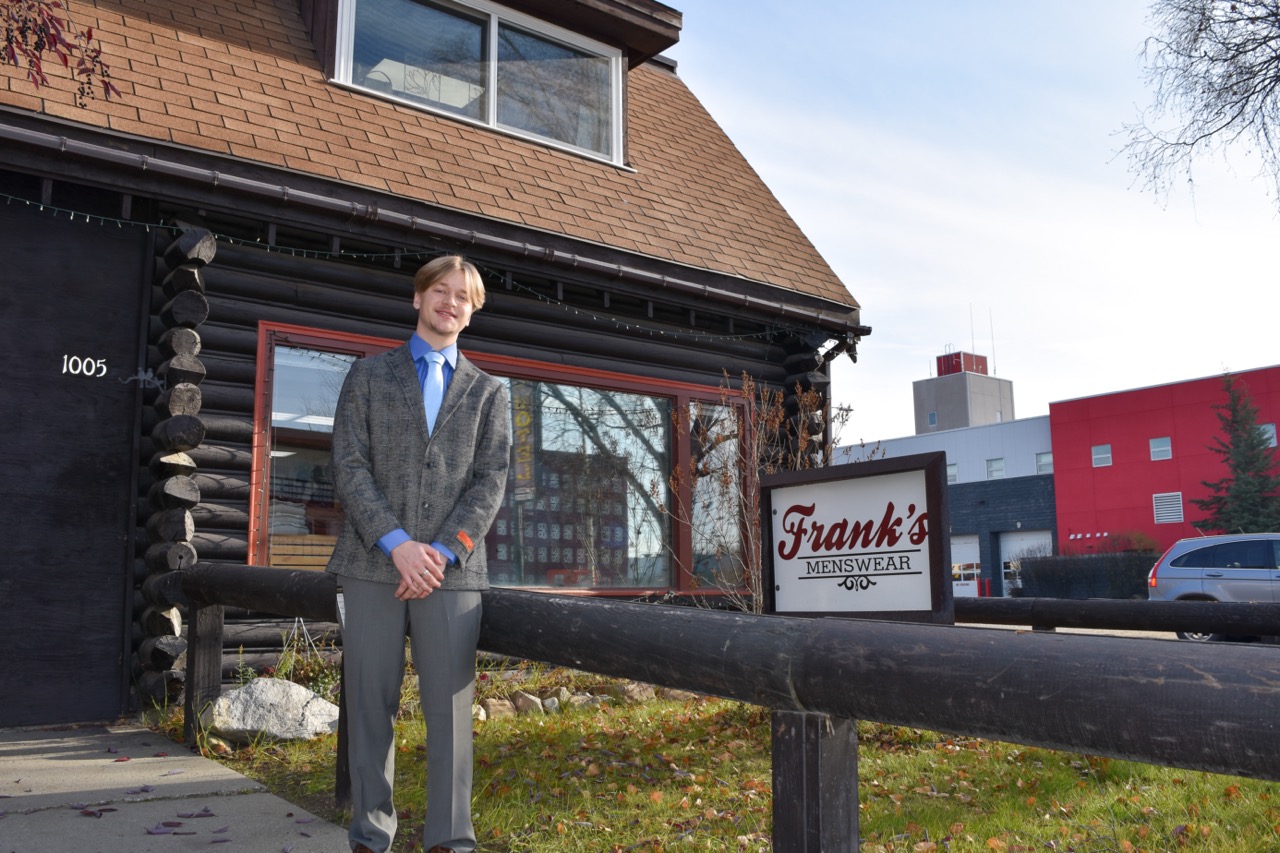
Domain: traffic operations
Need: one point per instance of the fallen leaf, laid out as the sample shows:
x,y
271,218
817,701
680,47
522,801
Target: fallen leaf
x,y
204,812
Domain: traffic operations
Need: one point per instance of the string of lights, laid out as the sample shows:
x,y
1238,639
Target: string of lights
x,y
495,276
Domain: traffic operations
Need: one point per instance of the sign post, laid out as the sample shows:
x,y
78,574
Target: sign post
x,y
866,540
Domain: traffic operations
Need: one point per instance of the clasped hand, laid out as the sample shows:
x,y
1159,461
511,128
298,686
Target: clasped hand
x,y
421,569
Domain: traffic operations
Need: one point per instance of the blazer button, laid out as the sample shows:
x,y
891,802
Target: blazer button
x,y
426,506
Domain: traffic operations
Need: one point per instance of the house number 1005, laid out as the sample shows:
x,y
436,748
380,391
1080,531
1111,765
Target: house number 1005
x,y
95,367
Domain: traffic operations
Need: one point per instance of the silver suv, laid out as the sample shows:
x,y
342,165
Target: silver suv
x,y
1238,567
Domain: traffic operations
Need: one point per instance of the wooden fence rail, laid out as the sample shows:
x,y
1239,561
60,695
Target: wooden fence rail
x,y
1180,704
1188,705
1261,619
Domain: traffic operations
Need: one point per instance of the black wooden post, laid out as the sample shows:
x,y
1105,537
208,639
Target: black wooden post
x,y
815,755
342,770
204,664
815,783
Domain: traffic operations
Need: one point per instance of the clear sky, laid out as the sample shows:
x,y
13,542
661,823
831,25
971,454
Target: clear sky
x,y
959,166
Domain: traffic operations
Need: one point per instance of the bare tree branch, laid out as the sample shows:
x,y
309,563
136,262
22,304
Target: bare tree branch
x,y
1214,70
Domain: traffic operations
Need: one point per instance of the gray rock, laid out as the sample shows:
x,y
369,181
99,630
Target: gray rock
x,y
675,695
551,704
527,703
586,700
271,708
496,708
633,692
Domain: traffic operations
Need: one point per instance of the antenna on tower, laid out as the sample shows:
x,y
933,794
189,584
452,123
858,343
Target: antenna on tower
x,y
973,348
991,323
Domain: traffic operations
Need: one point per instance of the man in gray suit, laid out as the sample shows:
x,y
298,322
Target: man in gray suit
x,y
419,488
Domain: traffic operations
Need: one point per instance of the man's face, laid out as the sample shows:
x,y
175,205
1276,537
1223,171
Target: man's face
x,y
443,310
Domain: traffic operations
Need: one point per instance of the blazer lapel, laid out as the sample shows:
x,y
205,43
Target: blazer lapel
x,y
464,376
404,375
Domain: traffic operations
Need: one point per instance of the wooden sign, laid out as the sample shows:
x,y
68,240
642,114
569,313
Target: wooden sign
x,y
867,539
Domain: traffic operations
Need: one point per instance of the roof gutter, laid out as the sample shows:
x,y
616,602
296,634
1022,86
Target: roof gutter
x,y
828,321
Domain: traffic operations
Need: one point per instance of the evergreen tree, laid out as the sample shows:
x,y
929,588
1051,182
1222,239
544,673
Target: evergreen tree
x,y
1247,500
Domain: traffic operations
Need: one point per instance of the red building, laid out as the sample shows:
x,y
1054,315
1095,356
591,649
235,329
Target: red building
x,y
1127,465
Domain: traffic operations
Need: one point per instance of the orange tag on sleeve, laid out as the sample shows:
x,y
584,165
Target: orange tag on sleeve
x,y
466,540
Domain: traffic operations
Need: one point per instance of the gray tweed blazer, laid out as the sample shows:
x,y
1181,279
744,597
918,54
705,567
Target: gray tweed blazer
x,y
389,474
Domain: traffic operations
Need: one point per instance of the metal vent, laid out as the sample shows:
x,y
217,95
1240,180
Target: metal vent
x,y
1168,507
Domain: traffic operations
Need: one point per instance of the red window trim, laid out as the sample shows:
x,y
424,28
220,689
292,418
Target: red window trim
x,y
681,394
269,335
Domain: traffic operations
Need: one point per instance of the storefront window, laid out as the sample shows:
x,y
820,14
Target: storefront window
x,y
715,467
301,516
589,499
587,494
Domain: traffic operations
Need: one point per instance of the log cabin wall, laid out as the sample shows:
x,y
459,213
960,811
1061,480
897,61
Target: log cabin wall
x,y
532,312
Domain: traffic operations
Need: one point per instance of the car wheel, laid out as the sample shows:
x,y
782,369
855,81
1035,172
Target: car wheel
x,y
1197,637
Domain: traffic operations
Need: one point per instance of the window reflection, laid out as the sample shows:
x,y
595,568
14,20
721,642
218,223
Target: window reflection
x,y
587,490
716,493
553,90
549,83
589,500
421,52
302,515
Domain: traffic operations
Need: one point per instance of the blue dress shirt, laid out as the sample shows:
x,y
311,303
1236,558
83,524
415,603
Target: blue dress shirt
x,y
419,348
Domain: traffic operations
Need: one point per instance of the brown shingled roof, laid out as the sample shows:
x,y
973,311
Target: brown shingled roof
x,y
242,78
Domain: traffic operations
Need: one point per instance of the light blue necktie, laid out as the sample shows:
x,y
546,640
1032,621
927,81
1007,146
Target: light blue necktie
x,y
433,388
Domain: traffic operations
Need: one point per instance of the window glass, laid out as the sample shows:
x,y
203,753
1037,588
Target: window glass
x,y
1161,448
952,468
1268,433
302,515
1044,463
423,53
554,91
607,454
995,468
590,500
1248,554
1101,455
453,56
1198,559
716,495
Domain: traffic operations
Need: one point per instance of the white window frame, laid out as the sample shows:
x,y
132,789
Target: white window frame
x,y
995,471
1269,433
344,59
1044,462
953,472
1101,458
1161,448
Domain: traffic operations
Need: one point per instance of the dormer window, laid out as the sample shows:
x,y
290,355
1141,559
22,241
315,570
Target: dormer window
x,y
489,65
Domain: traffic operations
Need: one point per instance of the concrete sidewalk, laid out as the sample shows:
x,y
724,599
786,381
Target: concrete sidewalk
x,y
125,789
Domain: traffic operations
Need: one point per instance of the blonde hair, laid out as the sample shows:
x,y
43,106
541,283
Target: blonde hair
x,y
444,266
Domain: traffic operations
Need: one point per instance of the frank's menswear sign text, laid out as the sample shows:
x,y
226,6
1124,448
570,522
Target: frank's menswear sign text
x,y
853,544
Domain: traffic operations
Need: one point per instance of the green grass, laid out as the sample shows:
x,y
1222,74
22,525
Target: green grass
x,y
695,775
